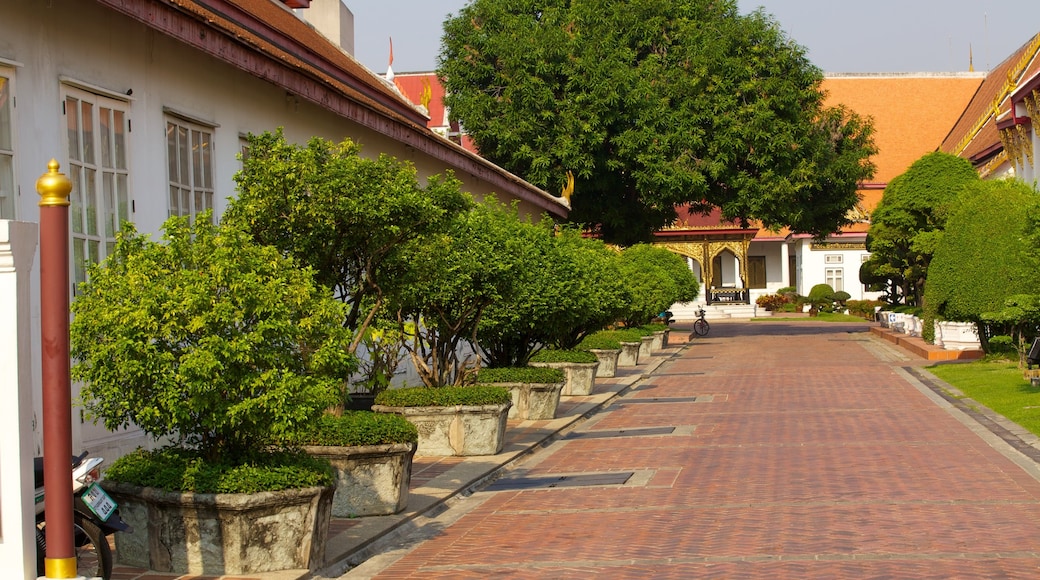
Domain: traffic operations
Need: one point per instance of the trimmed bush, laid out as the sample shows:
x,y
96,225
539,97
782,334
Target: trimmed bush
x,y
771,302
443,396
544,375
355,428
550,355
604,339
183,470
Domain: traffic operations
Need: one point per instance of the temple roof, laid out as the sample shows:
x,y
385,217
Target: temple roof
x,y
912,113
975,136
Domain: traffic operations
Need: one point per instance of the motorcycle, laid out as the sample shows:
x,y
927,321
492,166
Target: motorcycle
x,y
94,518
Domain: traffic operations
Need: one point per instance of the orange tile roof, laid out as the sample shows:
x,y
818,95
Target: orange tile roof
x,y
912,114
975,133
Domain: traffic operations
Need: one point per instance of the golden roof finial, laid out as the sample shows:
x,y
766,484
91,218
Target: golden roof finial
x,y
568,189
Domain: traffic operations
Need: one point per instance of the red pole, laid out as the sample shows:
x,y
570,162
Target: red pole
x,y
54,188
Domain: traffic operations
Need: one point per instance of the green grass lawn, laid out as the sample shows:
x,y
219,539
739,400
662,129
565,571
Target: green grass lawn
x,y
998,385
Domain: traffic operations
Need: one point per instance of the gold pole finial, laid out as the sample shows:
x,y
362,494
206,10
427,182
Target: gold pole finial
x,y
53,186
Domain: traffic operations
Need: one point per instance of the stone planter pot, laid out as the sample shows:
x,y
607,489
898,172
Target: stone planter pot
x,y
646,348
608,361
956,335
629,354
581,377
371,480
660,340
215,534
533,401
457,430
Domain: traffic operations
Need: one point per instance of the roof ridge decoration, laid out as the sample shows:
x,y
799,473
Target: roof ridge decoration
x,y
1013,75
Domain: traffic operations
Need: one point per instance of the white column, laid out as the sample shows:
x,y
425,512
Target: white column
x,y
17,517
785,264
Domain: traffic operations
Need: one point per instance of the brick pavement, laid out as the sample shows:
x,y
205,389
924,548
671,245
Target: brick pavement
x,y
799,450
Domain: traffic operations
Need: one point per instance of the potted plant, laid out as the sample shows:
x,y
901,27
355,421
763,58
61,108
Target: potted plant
x,y
371,454
213,344
469,420
535,392
606,345
659,332
578,365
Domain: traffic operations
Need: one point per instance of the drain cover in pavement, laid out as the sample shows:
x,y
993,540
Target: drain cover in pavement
x,y
698,399
642,432
582,480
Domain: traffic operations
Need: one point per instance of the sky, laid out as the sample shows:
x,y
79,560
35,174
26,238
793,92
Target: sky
x,y
841,36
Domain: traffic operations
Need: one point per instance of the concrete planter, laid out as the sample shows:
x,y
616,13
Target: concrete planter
x,y
581,377
215,534
956,335
629,354
533,401
646,348
457,430
371,480
660,340
608,361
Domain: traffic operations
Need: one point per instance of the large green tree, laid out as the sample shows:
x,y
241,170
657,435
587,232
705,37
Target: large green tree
x,y
350,218
907,224
653,104
987,253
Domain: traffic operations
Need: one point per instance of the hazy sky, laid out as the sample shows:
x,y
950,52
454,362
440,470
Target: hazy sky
x,y
840,35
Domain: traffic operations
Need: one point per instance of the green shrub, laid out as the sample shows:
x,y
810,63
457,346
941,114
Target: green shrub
x,y
544,375
207,339
863,308
1001,345
654,327
841,296
443,396
183,470
604,339
771,302
355,428
787,290
552,355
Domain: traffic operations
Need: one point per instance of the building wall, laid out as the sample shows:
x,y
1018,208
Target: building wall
x,y
47,46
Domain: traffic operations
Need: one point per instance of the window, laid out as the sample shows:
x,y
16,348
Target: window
x,y
189,152
835,279
7,196
832,259
96,135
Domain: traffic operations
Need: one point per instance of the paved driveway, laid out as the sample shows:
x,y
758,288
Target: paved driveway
x,y
765,450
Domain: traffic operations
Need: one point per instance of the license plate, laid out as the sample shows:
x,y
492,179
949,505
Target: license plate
x,y
99,502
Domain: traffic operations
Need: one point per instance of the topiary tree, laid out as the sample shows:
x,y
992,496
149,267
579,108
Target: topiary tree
x,y
1020,316
987,253
349,218
656,279
452,278
566,287
907,223
207,339
821,297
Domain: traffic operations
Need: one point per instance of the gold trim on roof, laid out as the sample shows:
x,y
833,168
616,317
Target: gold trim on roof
x,y
1013,74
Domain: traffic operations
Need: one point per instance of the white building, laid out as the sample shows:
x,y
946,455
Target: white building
x,y
146,105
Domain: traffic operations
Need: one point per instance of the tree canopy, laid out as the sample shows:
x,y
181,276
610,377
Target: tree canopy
x,y
987,253
907,224
653,104
349,218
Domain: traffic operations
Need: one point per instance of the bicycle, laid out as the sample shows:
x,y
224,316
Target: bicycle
x,y
700,326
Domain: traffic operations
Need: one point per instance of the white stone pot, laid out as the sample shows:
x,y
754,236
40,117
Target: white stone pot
x,y
457,430
608,361
581,377
371,480
629,354
215,534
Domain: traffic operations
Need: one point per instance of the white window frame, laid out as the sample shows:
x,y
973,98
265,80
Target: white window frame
x,y
8,191
833,259
190,166
99,167
835,278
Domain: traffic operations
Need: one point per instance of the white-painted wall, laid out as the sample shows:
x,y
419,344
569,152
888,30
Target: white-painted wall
x,y
43,43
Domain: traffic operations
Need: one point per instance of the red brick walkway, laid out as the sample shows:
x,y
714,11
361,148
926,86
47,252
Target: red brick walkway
x,y
800,450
